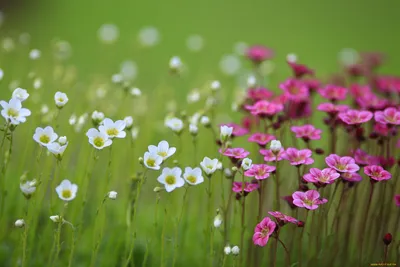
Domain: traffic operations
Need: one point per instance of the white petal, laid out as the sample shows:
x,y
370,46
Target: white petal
x,y
152,149
163,146
171,151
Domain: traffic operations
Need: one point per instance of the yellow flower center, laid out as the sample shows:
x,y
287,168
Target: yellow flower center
x,y
98,141
112,132
341,167
265,232
170,180
12,112
308,202
60,99
66,193
162,154
151,162
44,139
191,179
209,167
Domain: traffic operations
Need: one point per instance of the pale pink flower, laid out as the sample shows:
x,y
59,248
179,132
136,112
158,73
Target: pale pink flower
x,y
377,173
259,171
325,176
264,108
248,187
388,116
333,92
351,177
270,156
237,153
298,157
353,116
261,138
371,101
307,132
309,200
263,231
341,164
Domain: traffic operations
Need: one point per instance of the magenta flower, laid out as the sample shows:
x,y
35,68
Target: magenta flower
x,y
263,231
300,70
381,129
264,108
309,200
259,171
333,92
269,156
295,90
332,108
371,101
298,157
237,129
261,138
388,116
363,158
236,153
259,94
352,177
325,176
397,200
353,116
357,90
377,173
341,164
289,200
282,218
248,187
259,53
307,132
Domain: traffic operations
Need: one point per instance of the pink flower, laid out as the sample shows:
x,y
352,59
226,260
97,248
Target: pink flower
x,y
261,138
307,132
363,158
341,164
377,173
237,129
325,176
298,109
289,200
300,70
282,218
236,153
309,200
353,116
248,187
332,108
371,101
381,129
259,171
388,116
259,94
298,157
357,90
259,53
295,90
269,156
333,92
397,200
263,231
264,108
351,177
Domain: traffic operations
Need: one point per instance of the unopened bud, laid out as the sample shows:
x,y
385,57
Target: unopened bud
x,y
19,223
387,239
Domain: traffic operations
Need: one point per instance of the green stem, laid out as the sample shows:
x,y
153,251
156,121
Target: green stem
x,y
177,227
242,221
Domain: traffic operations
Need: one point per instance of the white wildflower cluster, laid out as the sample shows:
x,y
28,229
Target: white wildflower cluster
x,y
235,250
106,132
46,137
12,111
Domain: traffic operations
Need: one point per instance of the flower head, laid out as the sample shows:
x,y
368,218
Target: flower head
x,y
282,218
377,173
163,150
19,223
260,93
351,177
246,164
264,108
295,90
171,178
152,160
325,176
13,111
208,165
259,53
269,155
261,138
388,116
307,132
67,190
298,157
112,195
333,92
353,116
113,129
236,153
61,99
128,122
332,108
299,70
45,136
309,200
397,200
28,187
235,250
174,124
341,164
237,129
57,149
263,231
193,176
98,139
20,94
226,132
260,171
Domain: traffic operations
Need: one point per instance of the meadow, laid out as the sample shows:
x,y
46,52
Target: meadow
x,y
246,136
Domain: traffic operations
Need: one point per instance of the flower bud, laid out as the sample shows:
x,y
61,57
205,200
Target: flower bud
x,y
227,250
205,121
19,223
300,224
193,129
128,122
234,169
56,218
226,132
141,160
319,151
112,195
157,189
175,64
135,92
251,81
62,140
387,239
246,164
215,85
275,146
235,250
217,221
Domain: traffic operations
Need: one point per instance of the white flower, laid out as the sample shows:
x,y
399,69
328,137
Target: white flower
x,y
62,140
56,218
174,124
193,176
275,146
44,109
208,165
235,250
246,164
171,178
113,129
28,187
135,133
217,221
97,117
163,150
291,58
13,111
117,78
175,63
227,250
219,165
57,149
67,190
211,101
193,96
61,99
135,92
152,160
215,85
251,81
226,132
37,83
204,120
1,74
34,54
128,122
19,223
193,129
45,136
228,172
20,94
112,195
98,139
72,119
195,118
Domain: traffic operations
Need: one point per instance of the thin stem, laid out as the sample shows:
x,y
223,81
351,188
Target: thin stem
x,y
71,255
365,222
286,251
277,195
58,237
385,254
275,249
177,227
242,221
